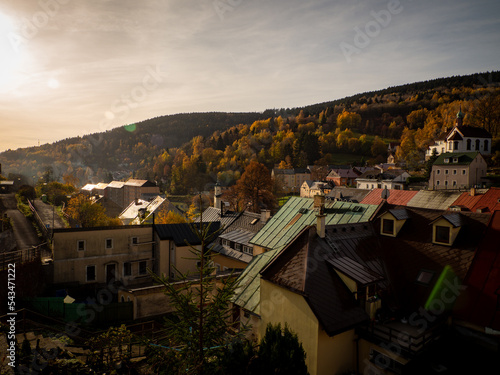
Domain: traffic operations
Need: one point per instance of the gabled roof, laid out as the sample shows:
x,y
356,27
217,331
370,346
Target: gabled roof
x,y
356,271
396,197
299,213
455,137
247,291
488,201
182,234
463,158
478,303
302,268
348,194
115,185
473,132
434,199
214,214
140,183
342,173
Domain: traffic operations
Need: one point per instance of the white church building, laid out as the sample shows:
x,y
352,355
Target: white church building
x,y
462,138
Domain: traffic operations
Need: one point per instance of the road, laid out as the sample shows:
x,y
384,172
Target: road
x,y
48,216
24,232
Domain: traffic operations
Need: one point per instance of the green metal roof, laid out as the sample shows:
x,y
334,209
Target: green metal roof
x,y
281,229
247,292
298,213
463,158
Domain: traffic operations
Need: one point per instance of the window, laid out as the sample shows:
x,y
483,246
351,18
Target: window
x,y
135,240
127,269
446,171
469,144
455,144
237,246
80,245
90,273
477,144
454,171
446,183
387,226
455,160
142,267
446,160
438,171
109,243
425,277
454,183
442,234
438,182
463,171
247,249
485,145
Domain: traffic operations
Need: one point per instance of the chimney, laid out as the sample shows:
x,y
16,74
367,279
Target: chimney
x,y
319,204
265,215
321,224
217,196
136,201
472,191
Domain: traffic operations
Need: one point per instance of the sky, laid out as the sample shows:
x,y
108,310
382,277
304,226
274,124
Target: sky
x,y
72,67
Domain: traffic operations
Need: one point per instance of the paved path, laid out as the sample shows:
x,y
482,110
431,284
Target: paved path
x,y
48,216
24,231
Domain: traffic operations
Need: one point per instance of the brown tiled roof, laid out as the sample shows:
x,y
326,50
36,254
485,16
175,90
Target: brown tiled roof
x,y
396,197
303,268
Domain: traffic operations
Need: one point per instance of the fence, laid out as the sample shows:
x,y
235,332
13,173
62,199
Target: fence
x,y
18,257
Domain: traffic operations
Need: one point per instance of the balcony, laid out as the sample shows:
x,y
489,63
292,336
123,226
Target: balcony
x,y
400,337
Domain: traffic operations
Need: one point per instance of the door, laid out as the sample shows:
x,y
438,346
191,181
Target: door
x,y
110,273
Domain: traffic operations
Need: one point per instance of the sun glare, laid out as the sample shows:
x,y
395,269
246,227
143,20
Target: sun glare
x,y
10,58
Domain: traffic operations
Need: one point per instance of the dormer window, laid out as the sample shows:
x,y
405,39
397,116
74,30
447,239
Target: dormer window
x,y
388,226
445,229
392,221
446,160
455,160
442,234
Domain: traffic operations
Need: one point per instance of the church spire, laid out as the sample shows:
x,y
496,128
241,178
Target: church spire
x,y
460,117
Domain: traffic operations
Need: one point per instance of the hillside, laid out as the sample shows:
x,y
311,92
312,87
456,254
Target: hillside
x,y
184,150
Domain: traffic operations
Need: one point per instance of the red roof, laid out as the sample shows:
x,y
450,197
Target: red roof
x,y
396,197
467,201
478,304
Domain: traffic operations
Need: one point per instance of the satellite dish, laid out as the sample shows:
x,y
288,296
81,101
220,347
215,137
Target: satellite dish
x,y
385,193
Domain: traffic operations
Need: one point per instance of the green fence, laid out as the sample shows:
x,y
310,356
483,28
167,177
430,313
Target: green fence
x,y
81,312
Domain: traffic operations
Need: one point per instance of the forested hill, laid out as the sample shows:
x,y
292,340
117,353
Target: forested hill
x,y
179,149
124,148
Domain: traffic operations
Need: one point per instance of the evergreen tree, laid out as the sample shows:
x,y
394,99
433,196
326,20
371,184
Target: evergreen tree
x,y
201,329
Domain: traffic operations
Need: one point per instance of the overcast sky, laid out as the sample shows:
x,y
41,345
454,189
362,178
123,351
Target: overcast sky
x,y
74,67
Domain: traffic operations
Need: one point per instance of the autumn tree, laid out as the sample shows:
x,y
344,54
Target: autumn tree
x,y
486,112
88,213
255,187
348,120
169,217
